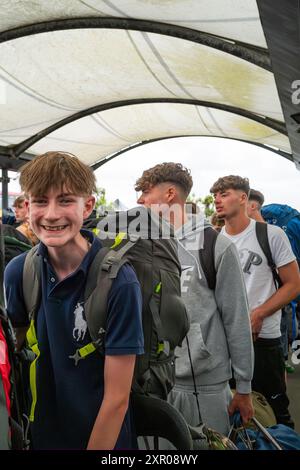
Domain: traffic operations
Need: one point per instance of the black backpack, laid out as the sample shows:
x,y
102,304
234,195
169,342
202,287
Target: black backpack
x,y
261,230
207,256
207,253
13,422
13,429
138,239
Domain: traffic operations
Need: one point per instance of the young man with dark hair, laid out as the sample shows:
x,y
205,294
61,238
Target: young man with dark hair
x,y
219,336
76,404
255,202
231,199
163,173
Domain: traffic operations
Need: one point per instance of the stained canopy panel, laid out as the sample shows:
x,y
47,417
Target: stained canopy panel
x,y
45,74
234,19
102,134
96,76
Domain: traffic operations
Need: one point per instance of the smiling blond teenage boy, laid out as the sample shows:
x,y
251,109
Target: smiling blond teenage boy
x,y
82,405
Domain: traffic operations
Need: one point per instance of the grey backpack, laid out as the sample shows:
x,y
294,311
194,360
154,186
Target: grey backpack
x,y
155,261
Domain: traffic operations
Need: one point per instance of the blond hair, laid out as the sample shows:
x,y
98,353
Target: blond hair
x,y
57,170
19,201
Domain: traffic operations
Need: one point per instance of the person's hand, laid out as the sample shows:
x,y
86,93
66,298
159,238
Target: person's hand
x,y
243,403
256,319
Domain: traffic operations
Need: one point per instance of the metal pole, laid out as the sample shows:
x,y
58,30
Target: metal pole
x,y
266,434
5,181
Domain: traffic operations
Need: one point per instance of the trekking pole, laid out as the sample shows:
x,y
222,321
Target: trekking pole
x,y
267,435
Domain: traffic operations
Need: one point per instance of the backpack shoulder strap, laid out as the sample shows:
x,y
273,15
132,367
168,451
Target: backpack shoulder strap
x,y
207,256
261,230
102,272
32,281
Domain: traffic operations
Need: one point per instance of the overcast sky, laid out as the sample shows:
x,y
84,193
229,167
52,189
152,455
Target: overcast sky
x,y
208,158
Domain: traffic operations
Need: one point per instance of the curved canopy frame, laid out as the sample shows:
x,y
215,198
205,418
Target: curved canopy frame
x,y
159,25
97,165
23,146
15,163
255,55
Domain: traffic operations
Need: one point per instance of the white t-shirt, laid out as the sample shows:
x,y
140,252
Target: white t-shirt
x,y
257,274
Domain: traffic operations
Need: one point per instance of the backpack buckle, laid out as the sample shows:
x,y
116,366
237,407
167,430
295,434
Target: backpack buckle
x,y
108,263
163,347
99,343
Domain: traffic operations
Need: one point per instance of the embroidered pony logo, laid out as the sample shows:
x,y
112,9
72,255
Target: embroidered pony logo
x,y
80,323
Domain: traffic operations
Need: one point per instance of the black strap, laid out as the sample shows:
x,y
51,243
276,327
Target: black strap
x,y
261,229
195,393
207,256
154,308
207,260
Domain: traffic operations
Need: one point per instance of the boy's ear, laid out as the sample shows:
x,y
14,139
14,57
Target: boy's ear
x,y
171,193
244,197
89,204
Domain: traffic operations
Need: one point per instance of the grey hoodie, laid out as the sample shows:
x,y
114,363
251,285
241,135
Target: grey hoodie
x,y
220,333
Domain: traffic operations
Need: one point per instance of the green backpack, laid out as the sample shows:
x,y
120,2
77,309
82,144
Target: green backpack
x,y
262,411
155,261
15,243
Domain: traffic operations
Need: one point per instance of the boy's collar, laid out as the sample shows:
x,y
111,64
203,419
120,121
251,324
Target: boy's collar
x,y
87,234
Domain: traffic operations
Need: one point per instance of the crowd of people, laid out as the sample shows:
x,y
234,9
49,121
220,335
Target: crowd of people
x,y
234,335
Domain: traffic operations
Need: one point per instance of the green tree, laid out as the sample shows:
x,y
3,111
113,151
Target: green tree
x,y
101,202
207,202
209,205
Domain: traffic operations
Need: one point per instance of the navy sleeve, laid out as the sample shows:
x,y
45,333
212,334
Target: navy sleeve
x,y
13,284
124,333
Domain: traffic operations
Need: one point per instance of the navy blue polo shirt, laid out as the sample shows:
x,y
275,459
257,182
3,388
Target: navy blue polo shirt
x,y
69,396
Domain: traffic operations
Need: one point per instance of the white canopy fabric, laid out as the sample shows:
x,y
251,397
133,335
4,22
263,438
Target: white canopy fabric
x,y
235,19
101,134
94,77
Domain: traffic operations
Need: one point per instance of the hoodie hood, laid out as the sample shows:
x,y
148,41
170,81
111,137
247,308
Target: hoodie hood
x,y
219,322
192,232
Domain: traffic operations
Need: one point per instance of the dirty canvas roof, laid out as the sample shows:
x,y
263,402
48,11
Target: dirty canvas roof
x,y
96,78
